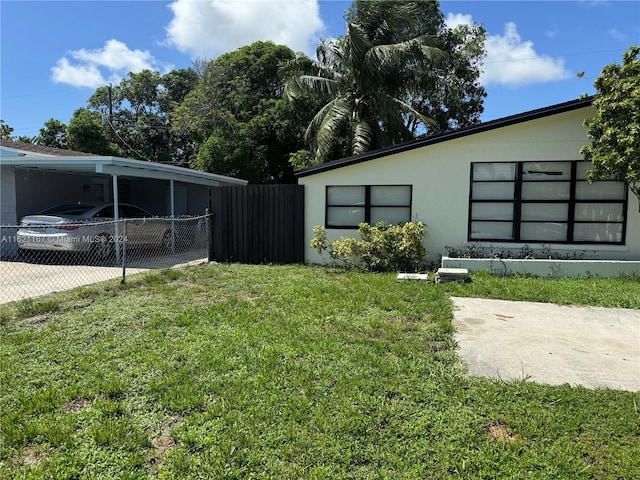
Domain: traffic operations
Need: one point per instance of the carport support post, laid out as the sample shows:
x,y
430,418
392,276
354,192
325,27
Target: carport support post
x,y
116,215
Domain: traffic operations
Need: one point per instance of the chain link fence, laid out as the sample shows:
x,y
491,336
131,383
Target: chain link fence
x,y
36,259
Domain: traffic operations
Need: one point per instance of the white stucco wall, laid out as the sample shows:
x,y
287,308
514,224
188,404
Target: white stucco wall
x,y
440,175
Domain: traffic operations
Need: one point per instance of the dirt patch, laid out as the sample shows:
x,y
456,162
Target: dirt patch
x,y
76,405
31,455
163,443
499,431
34,321
245,297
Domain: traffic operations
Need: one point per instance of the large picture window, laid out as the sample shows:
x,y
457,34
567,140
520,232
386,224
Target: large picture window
x,y
349,205
549,202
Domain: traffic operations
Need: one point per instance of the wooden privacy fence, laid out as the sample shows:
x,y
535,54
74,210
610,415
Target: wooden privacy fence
x,y
258,224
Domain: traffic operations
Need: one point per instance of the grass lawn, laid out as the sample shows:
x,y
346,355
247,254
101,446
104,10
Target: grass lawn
x,y
232,371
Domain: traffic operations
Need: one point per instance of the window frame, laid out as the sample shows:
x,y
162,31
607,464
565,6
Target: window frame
x,y
517,201
367,204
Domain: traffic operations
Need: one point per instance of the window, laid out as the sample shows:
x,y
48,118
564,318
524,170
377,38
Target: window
x,y
547,202
348,206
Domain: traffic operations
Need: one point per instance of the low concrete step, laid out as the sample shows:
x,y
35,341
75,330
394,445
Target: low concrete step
x,y
445,275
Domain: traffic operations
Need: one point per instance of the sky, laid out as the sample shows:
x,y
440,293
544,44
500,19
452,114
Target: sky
x,y
54,54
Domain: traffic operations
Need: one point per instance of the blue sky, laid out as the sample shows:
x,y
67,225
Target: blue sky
x,y
53,54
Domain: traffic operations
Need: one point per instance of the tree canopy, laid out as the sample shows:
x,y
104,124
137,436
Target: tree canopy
x,y
138,114
615,130
6,131
86,133
53,134
397,73
239,116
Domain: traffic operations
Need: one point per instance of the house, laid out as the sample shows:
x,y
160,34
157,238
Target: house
x,y
502,184
33,178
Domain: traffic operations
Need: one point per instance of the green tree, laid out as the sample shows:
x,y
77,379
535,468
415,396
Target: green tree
x,y
87,134
138,114
451,94
397,73
5,131
615,130
239,117
53,134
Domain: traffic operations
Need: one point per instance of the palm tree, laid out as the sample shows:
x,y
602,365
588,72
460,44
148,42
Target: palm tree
x,y
364,79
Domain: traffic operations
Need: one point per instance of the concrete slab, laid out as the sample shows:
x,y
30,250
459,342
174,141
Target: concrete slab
x,y
413,276
551,344
20,280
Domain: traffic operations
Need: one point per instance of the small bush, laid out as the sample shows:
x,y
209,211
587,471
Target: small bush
x,y
472,250
382,248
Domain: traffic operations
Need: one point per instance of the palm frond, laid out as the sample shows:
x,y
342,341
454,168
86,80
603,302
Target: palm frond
x,y
337,115
316,123
391,116
358,46
330,55
302,85
385,59
362,137
408,109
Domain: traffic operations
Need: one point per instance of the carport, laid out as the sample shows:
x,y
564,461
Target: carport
x,y
34,178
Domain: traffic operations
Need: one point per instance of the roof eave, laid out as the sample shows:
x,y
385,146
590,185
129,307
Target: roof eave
x,y
123,167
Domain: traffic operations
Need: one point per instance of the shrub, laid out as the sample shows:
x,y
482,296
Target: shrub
x,y
471,250
382,248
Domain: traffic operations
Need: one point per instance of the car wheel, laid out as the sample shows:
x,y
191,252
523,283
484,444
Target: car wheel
x,y
103,247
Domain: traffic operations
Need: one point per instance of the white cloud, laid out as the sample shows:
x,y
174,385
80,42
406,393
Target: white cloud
x,y
552,32
454,20
78,76
92,68
512,61
210,28
617,35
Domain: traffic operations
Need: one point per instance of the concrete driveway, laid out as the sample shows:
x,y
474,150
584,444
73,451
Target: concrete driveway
x,y
20,280
545,343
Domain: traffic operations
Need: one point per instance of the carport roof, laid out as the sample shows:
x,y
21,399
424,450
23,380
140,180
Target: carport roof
x,y
53,159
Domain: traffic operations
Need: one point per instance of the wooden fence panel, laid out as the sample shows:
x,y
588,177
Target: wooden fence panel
x,y
258,224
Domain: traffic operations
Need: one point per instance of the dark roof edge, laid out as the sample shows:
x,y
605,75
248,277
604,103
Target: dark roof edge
x,y
42,150
451,135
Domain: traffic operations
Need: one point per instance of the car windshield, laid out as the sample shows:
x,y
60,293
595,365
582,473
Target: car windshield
x,y
68,209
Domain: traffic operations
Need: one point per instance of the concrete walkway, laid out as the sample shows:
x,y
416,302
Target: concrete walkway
x,y
545,343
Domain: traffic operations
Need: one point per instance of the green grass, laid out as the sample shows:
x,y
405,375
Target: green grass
x,y
623,292
231,371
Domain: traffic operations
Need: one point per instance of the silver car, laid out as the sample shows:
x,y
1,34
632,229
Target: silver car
x,y
90,227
